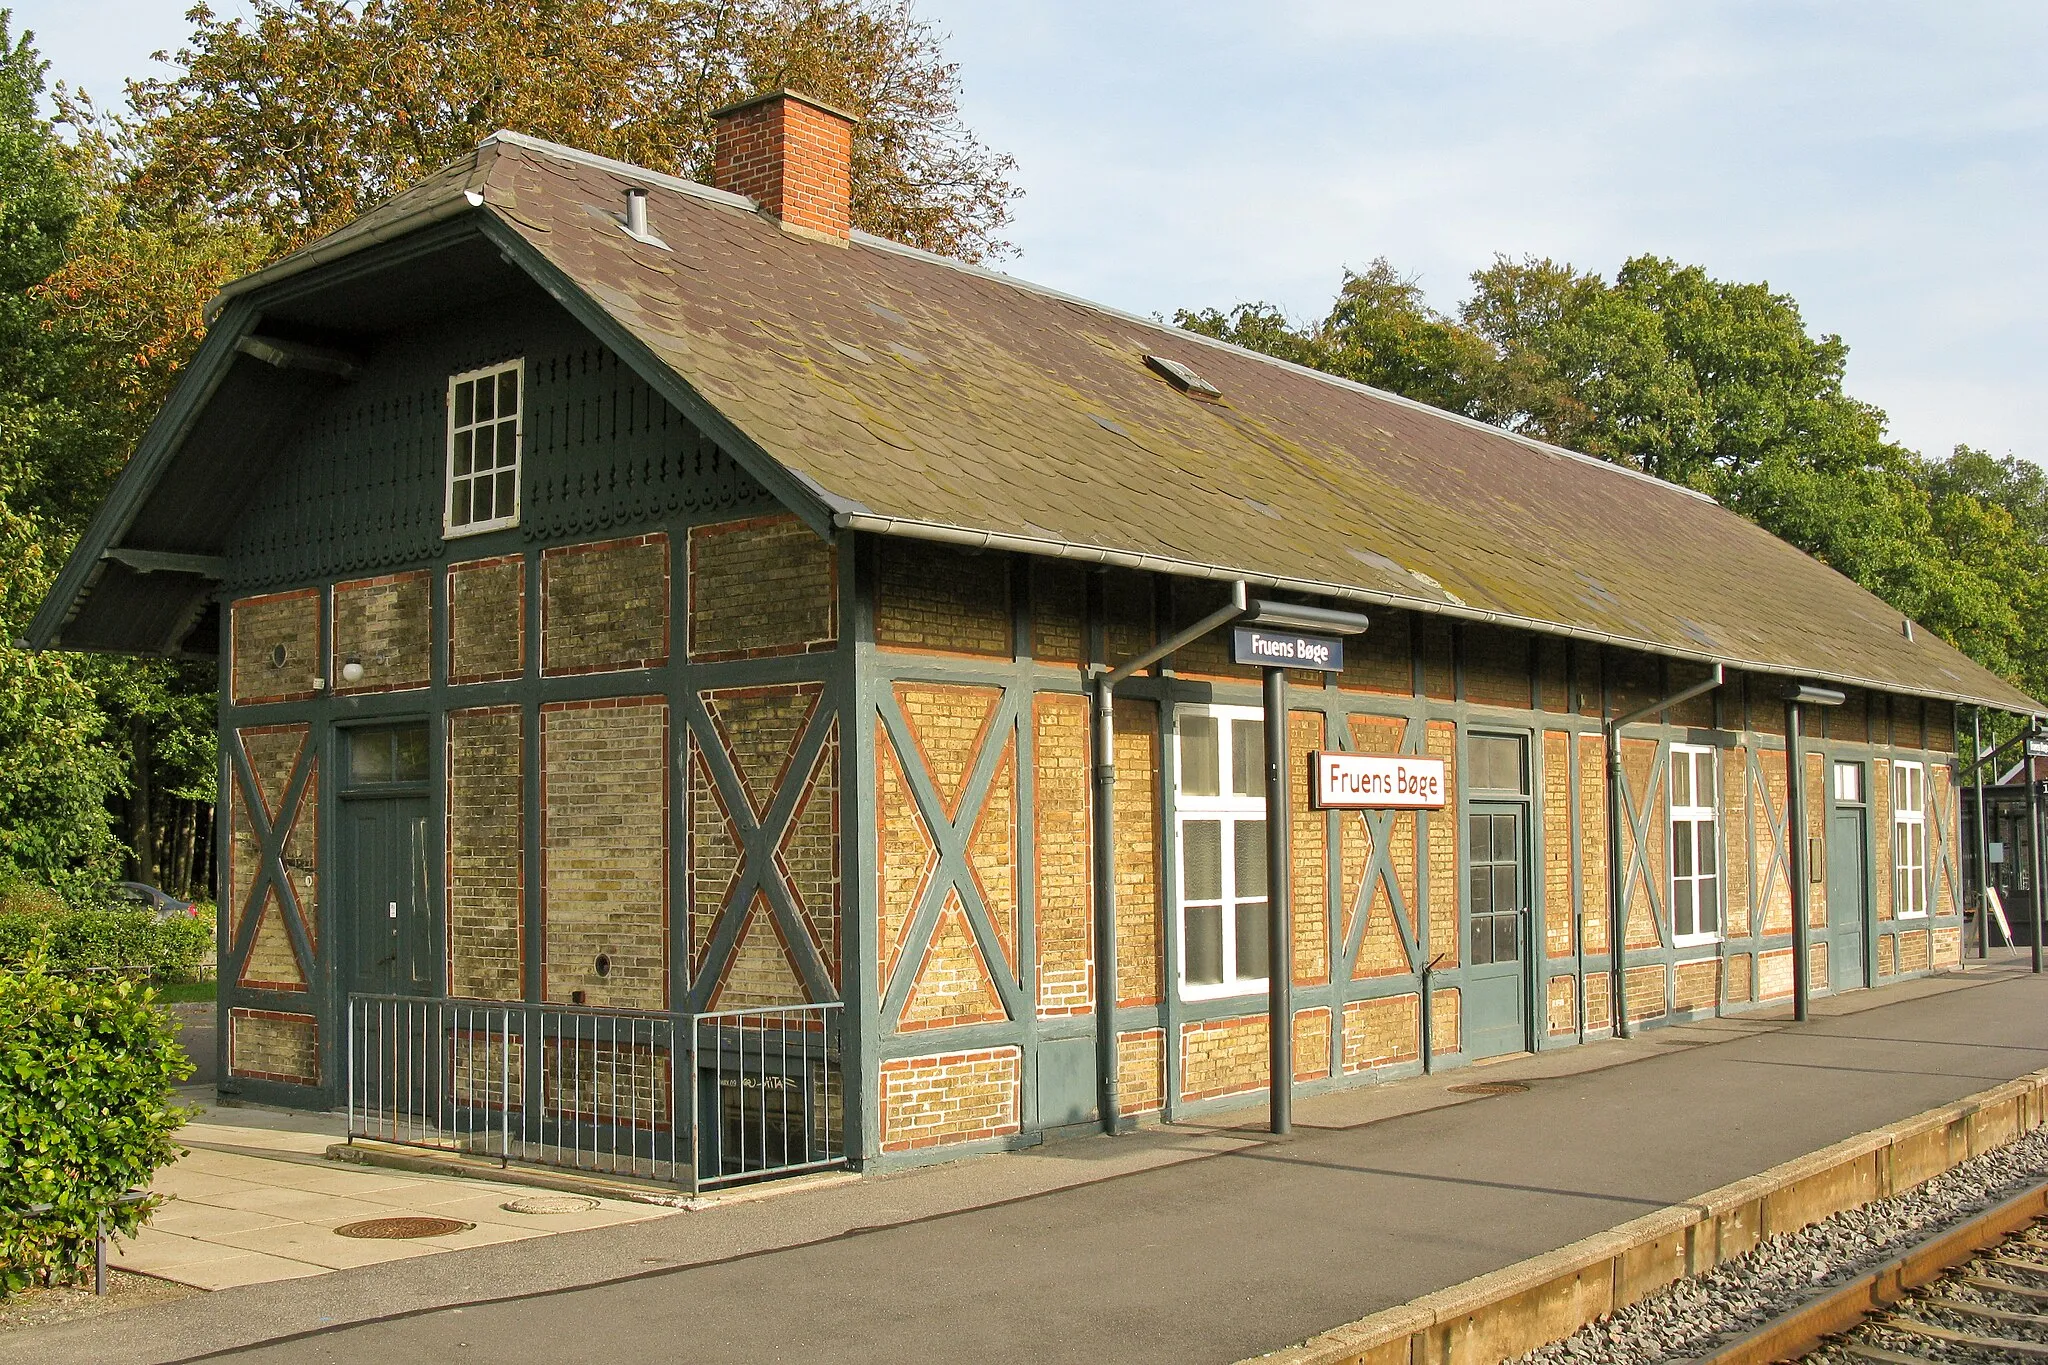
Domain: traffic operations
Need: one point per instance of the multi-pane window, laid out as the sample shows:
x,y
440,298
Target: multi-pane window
x,y
1496,868
1695,864
483,449
1909,839
1220,807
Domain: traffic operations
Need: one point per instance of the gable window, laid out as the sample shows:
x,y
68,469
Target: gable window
x,y
1695,846
1220,816
483,449
1909,839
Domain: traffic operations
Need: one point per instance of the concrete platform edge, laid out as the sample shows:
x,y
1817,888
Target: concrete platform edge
x,y
1517,1308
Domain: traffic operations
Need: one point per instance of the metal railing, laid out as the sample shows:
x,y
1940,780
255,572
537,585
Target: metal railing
x,y
695,1100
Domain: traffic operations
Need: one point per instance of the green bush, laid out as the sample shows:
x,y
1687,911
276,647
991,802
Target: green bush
x,y
86,1069
106,939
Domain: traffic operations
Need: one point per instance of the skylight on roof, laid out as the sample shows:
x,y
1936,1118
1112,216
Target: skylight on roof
x,y
1182,378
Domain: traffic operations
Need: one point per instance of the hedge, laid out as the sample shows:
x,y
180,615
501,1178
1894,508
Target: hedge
x,y
86,1069
107,940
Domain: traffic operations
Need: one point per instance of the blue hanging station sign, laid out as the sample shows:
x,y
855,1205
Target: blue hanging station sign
x,y
1265,648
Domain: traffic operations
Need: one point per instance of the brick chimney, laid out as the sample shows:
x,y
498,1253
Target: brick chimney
x,y
793,156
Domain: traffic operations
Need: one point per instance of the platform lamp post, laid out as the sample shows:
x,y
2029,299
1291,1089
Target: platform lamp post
x,y
1277,636
2035,862
1796,848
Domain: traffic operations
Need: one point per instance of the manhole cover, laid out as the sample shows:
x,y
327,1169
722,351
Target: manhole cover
x,y
395,1229
1491,1088
550,1203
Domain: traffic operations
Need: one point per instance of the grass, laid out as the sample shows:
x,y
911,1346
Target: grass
x,y
187,991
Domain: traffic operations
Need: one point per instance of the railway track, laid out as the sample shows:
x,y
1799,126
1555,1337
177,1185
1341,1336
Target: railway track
x,y
1974,1292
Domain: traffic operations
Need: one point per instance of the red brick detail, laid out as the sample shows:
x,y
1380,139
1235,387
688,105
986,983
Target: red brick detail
x,y
792,157
950,1097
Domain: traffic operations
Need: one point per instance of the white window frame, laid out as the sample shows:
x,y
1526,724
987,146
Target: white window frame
x,y
1701,824
1231,810
1909,840
449,479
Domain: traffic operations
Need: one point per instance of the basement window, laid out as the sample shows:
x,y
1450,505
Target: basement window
x,y
1220,818
484,426
1909,840
1695,847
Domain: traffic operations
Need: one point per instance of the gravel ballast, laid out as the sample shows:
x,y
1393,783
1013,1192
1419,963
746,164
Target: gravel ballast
x,y
1695,1316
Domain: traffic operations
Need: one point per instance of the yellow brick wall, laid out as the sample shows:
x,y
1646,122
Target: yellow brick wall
x,y
1559,1003
487,619
1646,991
1887,960
1696,985
1774,974
1059,603
1735,838
270,1046
1380,951
1593,887
1446,1018
385,624
1497,666
1141,1071
605,605
1308,885
714,851
760,971
953,984
809,853
1382,659
936,599
1599,1005
906,859
604,851
1444,861
1382,1032
1768,818
1223,1057
762,586
260,626
1638,766
1557,844
486,853
1311,1044
302,854
1550,673
760,728
1066,975
1913,951
949,1097
992,852
949,723
272,964
1817,966
1433,642
1129,610
1948,947
1942,831
1140,942
1736,978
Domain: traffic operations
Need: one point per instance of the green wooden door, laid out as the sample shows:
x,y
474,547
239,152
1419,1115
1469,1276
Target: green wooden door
x,y
390,920
1495,1003
1848,898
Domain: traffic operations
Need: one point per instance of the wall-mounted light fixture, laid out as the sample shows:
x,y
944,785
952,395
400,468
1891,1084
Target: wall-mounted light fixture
x,y
352,669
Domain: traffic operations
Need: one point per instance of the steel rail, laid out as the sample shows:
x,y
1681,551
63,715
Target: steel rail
x,y
1803,1329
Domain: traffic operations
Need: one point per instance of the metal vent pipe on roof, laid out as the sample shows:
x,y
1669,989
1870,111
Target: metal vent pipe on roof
x,y
636,211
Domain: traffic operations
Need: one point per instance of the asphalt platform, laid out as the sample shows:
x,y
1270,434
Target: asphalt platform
x,y
1207,1242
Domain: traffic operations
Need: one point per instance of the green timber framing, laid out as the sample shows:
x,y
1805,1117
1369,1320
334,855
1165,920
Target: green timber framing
x,y
945,707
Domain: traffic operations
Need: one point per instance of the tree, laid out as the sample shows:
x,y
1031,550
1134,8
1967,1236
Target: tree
x,y
297,120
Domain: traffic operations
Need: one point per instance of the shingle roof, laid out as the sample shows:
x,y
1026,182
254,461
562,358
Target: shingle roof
x,y
914,393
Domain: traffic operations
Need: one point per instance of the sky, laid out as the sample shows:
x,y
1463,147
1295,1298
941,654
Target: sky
x,y
1882,163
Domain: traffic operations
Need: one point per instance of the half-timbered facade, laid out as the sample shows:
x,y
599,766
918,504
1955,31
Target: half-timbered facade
x,y
655,607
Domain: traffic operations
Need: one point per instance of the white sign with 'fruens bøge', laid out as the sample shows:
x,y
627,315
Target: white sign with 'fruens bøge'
x,y
1375,782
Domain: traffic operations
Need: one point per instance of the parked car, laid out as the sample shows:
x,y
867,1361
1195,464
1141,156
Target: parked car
x,y
163,903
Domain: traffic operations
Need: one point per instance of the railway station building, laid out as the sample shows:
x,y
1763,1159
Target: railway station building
x,y
660,635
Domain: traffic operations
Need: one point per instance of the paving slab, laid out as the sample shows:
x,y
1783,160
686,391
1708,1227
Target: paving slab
x,y
1195,1242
